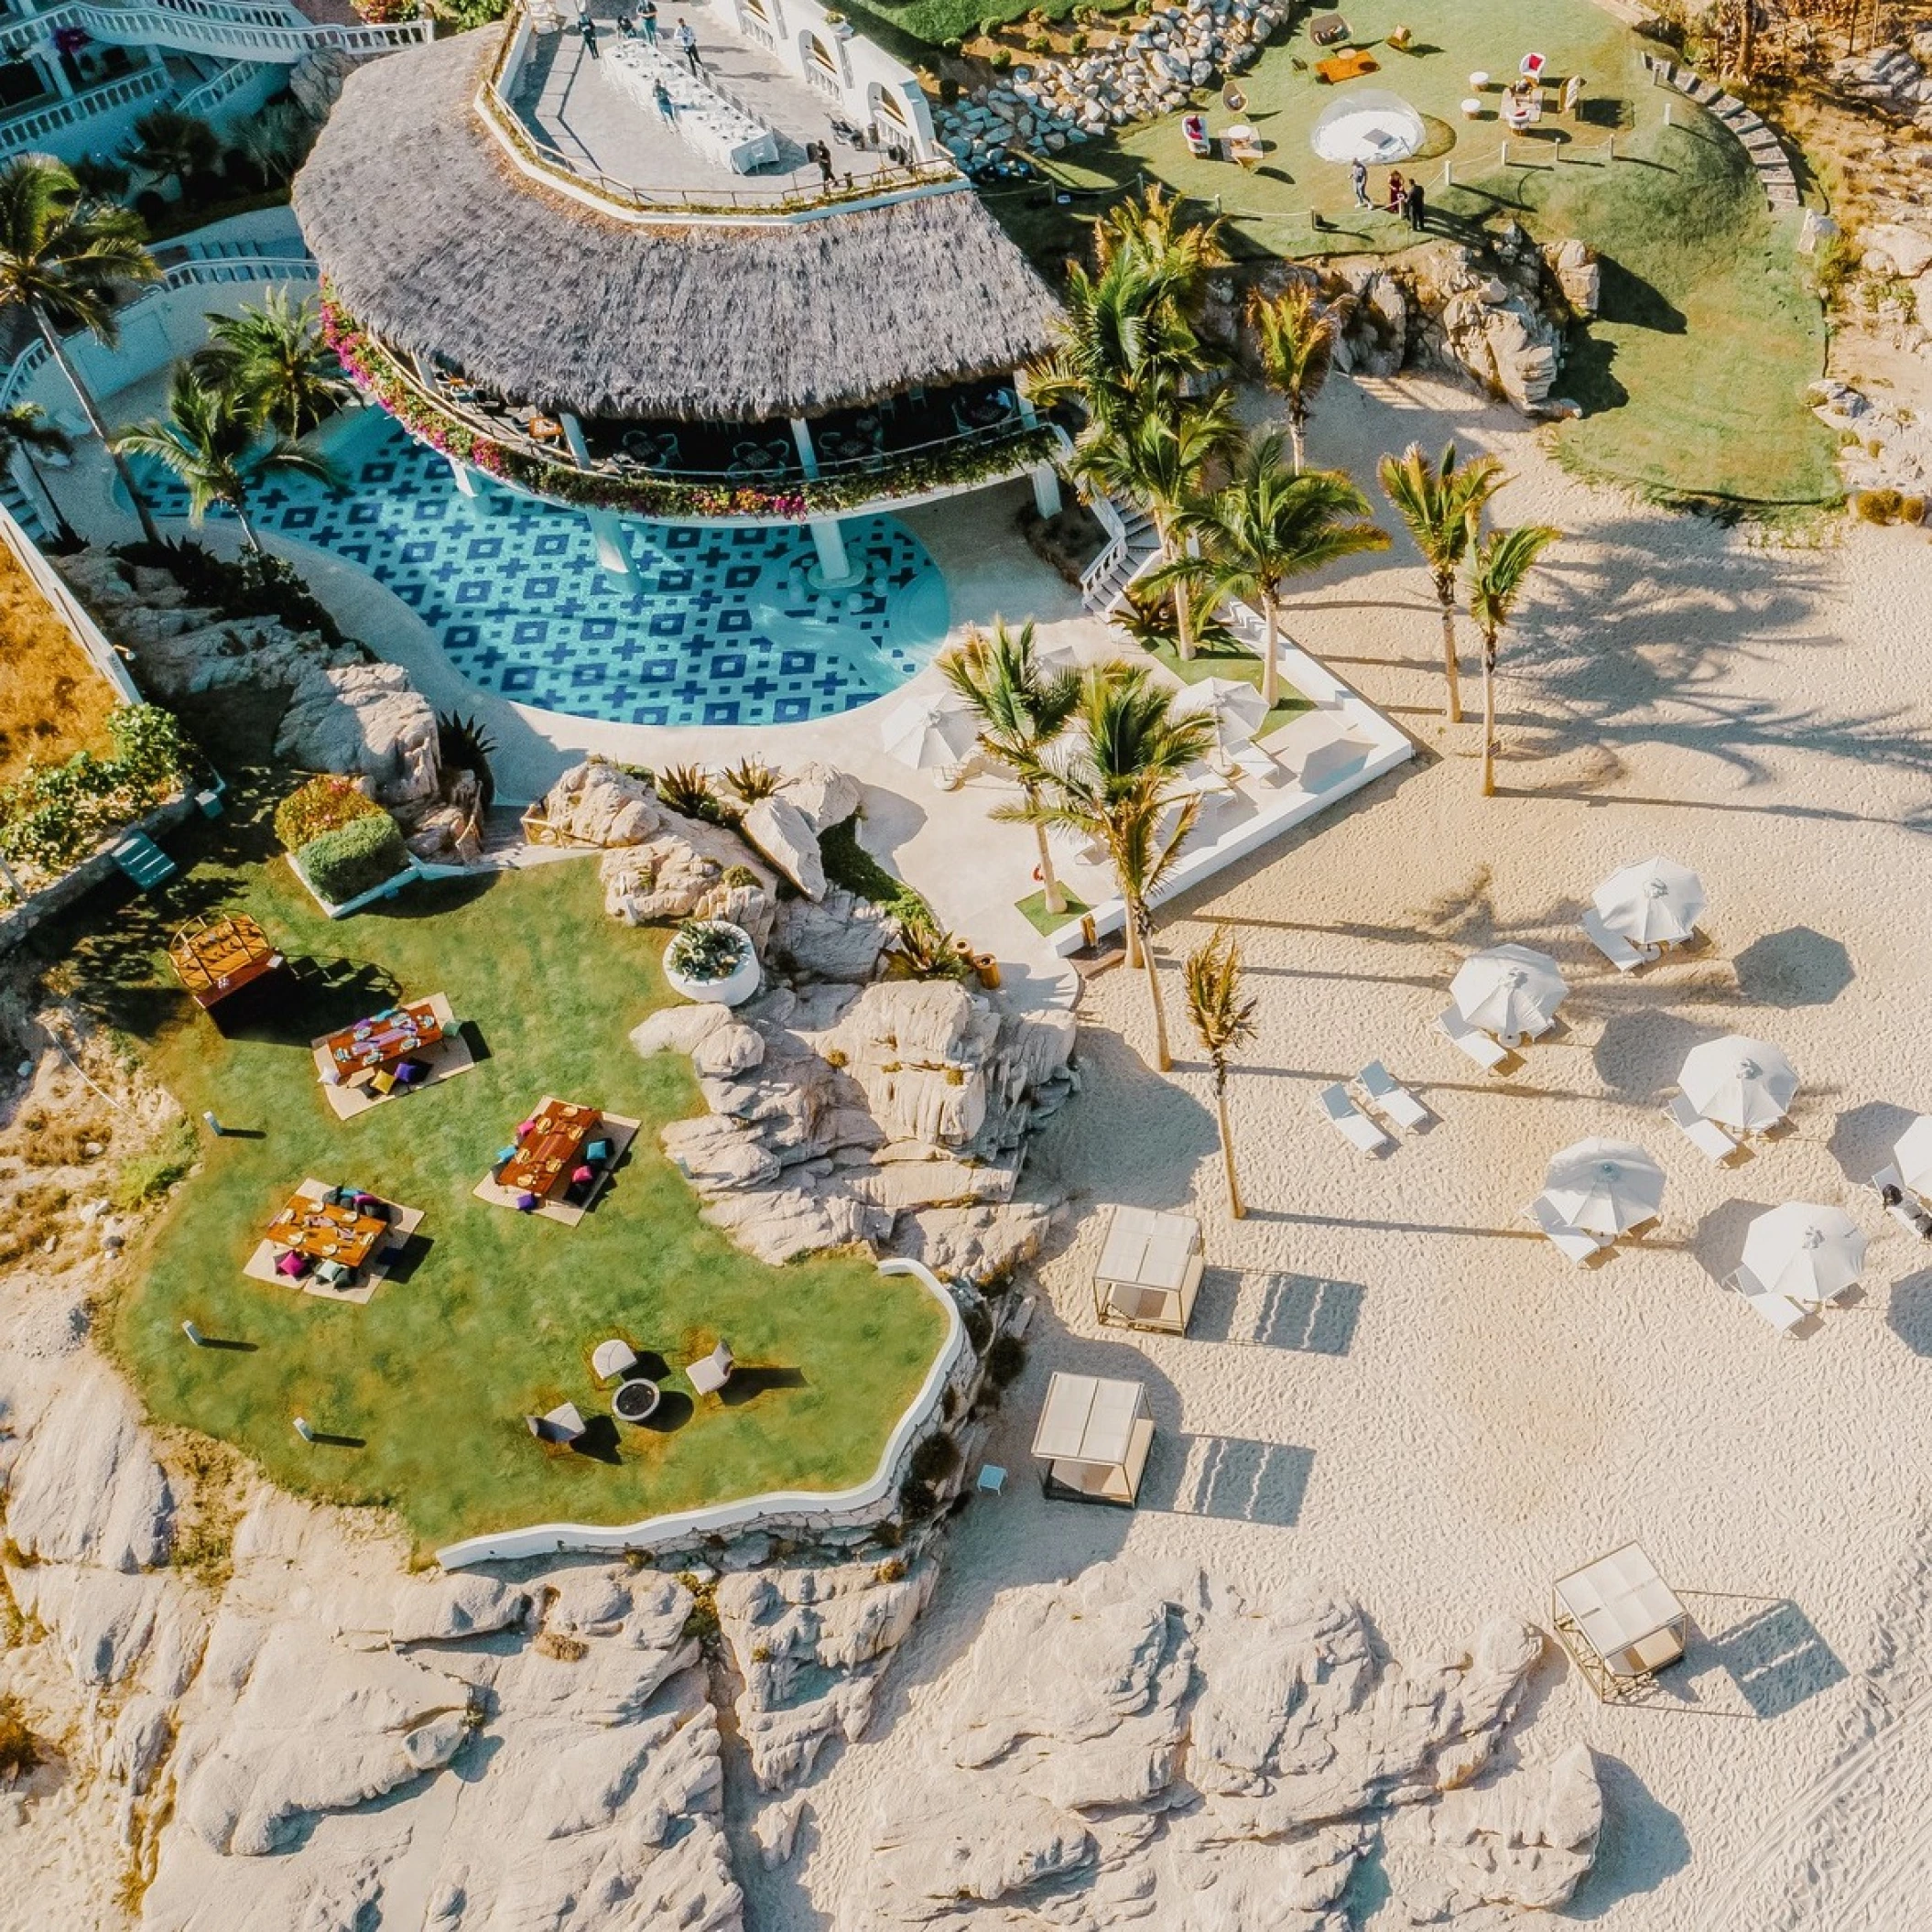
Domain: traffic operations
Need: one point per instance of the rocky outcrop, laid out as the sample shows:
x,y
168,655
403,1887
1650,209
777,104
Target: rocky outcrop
x,y
1268,1745
598,803
1894,78
369,721
781,831
825,796
1882,447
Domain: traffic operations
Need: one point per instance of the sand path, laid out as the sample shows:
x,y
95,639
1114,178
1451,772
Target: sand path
x,y
1392,1381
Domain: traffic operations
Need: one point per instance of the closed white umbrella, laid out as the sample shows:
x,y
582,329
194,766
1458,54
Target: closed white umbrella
x,y
1657,903
1809,1252
1508,990
1235,709
932,731
1606,1186
1741,1083
1912,1153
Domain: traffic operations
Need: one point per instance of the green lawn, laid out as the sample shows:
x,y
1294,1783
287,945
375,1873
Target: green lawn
x,y
497,1316
1693,380
1228,660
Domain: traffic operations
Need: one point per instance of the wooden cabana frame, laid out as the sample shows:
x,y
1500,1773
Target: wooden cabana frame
x,y
1621,1623
213,962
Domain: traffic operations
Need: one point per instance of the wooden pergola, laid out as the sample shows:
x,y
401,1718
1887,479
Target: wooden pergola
x,y
213,962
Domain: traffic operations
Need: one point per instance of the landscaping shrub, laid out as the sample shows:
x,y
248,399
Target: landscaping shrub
x,y
144,1175
739,875
704,952
935,1458
325,803
752,779
463,745
1005,1360
686,788
1912,509
848,863
1880,506
353,858
1000,59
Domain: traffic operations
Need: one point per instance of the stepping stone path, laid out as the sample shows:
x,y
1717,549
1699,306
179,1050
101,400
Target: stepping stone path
x,y
1767,155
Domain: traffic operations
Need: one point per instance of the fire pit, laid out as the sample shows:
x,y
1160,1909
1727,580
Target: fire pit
x,y
635,1401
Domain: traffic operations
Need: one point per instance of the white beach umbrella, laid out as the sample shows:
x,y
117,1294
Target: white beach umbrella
x,y
1655,904
1913,1152
1810,1253
1606,1186
1738,1082
1508,990
932,731
1233,709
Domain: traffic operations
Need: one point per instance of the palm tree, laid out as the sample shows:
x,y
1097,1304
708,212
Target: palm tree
x,y
1499,569
1222,1015
1160,460
1295,332
64,261
1119,785
1267,526
1147,230
25,428
171,146
211,439
1442,505
1021,708
275,353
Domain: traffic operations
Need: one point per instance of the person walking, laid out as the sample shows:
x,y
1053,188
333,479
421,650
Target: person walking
x,y
1396,189
1415,205
647,20
665,105
1359,181
588,28
627,27
686,45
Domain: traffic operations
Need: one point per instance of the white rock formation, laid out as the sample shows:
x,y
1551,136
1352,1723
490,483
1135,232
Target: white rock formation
x,y
368,720
598,803
787,837
826,795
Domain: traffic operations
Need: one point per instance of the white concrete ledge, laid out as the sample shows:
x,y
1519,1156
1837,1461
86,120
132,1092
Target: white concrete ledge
x,y
547,1539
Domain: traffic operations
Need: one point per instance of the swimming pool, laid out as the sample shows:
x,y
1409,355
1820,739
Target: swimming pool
x,y
723,627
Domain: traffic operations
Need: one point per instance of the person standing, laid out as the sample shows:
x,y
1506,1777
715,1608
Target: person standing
x,y
588,28
688,44
647,20
1359,180
1415,205
1395,191
627,27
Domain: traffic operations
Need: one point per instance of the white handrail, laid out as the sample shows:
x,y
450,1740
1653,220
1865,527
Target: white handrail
x,y
21,132
202,101
226,28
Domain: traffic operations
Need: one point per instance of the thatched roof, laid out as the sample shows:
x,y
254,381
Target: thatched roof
x,y
432,242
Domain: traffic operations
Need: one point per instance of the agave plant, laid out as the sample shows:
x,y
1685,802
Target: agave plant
x,y
703,951
752,779
686,788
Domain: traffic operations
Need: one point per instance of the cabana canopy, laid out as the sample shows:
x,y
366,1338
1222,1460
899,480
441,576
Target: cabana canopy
x,y
1623,1614
1149,1270
1093,1437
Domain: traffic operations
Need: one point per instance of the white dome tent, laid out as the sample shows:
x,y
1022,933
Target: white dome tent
x,y
1368,125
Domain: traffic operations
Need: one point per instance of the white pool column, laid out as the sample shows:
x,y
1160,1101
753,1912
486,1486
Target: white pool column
x,y
807,454
836,572
1046,490
460,471
606,527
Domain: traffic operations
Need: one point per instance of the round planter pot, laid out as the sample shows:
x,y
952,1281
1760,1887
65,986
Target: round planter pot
x,y
735,987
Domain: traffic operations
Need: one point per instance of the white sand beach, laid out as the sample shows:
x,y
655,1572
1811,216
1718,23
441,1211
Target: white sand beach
x,y
1393,1383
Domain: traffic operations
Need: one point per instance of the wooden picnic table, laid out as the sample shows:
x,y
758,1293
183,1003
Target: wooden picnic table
x,y
1350,66
383,1039
327,1233
546,1154
212,962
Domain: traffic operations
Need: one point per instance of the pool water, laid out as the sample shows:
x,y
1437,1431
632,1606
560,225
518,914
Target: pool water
x,y
723,627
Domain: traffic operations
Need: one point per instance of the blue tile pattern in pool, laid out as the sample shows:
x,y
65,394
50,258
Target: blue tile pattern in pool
x,y
725,627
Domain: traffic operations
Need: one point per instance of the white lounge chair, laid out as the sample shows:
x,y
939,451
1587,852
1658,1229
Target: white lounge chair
x,y
1706,1136
1779,1310
1576,1245
1255,765
1905,1212
1480,1048
1613,946
1349,1120
709,1375
1388,1094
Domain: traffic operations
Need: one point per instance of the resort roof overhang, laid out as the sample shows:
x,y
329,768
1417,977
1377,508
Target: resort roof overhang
x,y
433,240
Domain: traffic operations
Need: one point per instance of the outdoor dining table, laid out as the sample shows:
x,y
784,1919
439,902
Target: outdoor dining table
x,y
327,1232
382,1040
549,1150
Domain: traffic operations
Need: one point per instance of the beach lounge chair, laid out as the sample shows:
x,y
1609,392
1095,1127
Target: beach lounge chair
x,y
1612,945
1349,1120
1480,1048
710,1373
1255,765
1904,1211
1576,1245
1389,1096
1706,1136
1779,1310
613,1360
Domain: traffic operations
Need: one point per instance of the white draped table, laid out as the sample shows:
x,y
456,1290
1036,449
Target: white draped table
x,y
703,119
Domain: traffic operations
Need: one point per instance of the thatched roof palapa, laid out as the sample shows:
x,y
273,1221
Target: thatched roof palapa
x,y
432,241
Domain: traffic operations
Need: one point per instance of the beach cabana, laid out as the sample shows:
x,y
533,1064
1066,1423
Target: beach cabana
x,y
1620,1620
1149,1270
1607,1187
1655,904
1744,1084
1511,992
1092,1438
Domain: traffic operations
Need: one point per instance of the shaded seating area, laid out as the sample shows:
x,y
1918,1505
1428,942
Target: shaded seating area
x,y
1149,1270
402,1050
1093,1438
1620,1622
212,962
336,1241
558,1161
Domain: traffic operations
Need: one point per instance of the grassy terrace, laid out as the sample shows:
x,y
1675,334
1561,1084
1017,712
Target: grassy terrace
x,y
497,1315
1708,321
